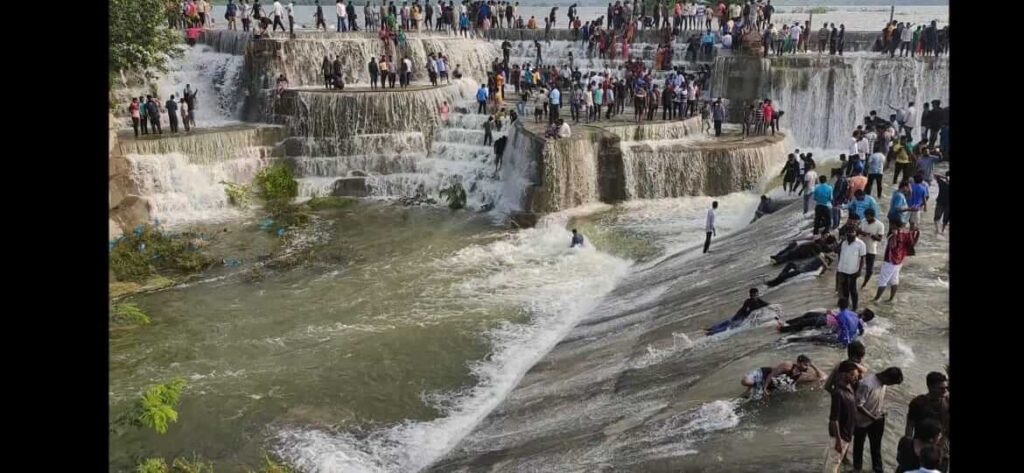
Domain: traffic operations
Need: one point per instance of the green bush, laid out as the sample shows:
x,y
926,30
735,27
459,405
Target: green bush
x,y
139,38
239,195
276,183
128,314
152,465
455,194
155,408
270,466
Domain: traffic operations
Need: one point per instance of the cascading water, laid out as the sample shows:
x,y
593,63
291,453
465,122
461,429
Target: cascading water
x,y
825,98
181,192
218,78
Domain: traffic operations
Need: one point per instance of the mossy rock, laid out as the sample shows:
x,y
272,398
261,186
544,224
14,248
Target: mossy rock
x,y
331,202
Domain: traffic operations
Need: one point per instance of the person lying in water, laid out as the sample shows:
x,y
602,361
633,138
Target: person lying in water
x,y
806,248
762,381
816,264
848,327
818,319
764,208
752,303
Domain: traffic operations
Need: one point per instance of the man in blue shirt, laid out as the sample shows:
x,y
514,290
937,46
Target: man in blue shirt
x,y
876,165
918,201
848,324
861,202
899,211
823,204
556,100
481,98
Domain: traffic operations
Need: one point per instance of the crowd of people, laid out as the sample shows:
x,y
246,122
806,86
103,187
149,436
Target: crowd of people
x,y
146,112
857,395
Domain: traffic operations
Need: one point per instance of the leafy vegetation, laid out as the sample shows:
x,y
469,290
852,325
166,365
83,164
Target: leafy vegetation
x,y
139,38
455,194
239,195
128,314
146,251
276,183
155,408
270,466
152,465
197,465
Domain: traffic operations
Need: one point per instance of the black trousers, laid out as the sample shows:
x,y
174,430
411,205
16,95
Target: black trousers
x,y
822,217
482,108
789,271
144,122
135,126
277,22
707,242
874,434
718,127
869,266
848,288
154,124
877,179
901,167
173,119
553,113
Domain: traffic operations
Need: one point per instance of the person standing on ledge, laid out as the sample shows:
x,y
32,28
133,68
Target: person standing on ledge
x,y
172,113
339,10
718,115
709,226
278,13
319,16
577,239
481,98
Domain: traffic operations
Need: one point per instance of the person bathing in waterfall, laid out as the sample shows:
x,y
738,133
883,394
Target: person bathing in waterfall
x,y
754,302
762,381
577,239
815,264
819,319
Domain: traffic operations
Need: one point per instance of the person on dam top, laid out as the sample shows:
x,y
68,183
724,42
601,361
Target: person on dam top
x,y
754,302
577,239
172,113
762,381
133,110
709,226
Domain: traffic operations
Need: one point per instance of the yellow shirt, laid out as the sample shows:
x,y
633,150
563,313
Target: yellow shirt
x,y
901,154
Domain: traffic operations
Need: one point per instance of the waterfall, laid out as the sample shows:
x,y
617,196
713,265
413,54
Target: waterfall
x,y
825,98
331,114
300,59
518,171
395,165
216,76
675,168
180,191
206,146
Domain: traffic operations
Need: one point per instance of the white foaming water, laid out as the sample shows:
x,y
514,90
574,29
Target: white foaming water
x,y
691,427
180,191
532,269
217,77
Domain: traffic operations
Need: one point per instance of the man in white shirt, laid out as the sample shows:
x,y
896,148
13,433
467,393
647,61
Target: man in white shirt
x,y
342,16
563,129
709,225
810,180
871,231
869,420
278,14
851,260
909,119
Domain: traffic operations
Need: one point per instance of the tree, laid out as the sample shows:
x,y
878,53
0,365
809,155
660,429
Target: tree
x,y
139,38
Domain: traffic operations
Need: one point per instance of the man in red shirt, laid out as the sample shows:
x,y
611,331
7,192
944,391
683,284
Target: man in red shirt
x,y
901,243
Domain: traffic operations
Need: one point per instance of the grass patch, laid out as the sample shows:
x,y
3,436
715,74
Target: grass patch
x,y
128,314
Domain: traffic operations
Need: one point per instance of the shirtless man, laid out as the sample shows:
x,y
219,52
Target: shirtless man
x,y
762,381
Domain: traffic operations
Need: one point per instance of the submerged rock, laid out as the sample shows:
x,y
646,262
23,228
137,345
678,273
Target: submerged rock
x,y
524,219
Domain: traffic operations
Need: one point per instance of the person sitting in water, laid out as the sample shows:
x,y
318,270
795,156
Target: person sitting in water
x,y
762,381
806,248
815,264
763,208
577,239
848,327
752,303
819,319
